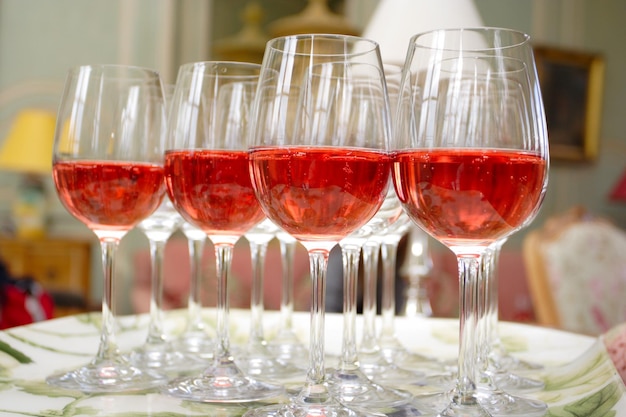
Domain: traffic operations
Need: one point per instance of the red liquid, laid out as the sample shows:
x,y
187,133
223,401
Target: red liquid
x,y
109,195
320,193
212,189
469,196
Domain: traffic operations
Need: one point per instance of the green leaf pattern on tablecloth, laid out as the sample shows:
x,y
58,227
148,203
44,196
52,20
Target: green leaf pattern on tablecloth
x,y
591,380
588,386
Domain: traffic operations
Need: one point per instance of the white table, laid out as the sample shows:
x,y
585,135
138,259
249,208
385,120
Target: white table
x,y
578,373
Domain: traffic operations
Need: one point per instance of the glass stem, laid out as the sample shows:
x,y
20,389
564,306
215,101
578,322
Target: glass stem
x,y
318,265
108,348
482,317
155,328
493,337
223,258
194,302
389,251
369,342
351,255
468,302
257,253
287,252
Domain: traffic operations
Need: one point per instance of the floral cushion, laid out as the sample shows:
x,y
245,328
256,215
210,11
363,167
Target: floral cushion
x,y
586,266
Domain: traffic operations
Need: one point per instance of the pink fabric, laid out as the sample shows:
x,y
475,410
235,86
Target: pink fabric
x,y
615,342
587,272
514,299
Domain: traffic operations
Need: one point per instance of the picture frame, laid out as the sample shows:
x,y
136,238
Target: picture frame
x,y
571,83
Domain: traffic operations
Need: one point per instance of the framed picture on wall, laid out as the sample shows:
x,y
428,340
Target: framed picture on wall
x,y
572,86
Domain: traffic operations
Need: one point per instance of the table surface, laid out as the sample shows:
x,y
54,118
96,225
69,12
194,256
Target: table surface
x,y
580,377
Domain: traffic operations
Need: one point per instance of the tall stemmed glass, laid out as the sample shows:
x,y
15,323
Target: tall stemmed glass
x,y
348,382
319,167
417,265
108,172
372,361
391,347
196,339
285,344
207,177
255,358
471,166
157,352
495,371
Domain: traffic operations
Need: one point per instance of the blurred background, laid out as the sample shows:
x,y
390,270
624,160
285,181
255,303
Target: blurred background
x,y
40,39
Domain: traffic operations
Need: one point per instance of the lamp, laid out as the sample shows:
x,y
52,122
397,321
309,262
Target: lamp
x,y
249,43
315,18
28,150
394,22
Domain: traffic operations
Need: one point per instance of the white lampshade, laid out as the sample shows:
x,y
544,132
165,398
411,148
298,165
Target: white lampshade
x,y
394,22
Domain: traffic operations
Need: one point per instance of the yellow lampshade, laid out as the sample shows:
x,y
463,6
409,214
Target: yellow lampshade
x,y
28,147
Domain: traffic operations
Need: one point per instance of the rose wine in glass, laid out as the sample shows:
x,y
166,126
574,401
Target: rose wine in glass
x,y
470,167
208,180
319,167
108,172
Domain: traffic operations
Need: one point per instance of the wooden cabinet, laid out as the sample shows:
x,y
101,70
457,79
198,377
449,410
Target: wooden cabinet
x,y
61,266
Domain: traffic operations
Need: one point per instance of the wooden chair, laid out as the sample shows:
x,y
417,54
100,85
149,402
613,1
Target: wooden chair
x,y
576,270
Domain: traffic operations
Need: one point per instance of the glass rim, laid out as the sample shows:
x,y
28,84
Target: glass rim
x,y
149,72
190,66
272,44
521,38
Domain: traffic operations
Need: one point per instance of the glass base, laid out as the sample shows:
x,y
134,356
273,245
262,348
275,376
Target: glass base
x,y
259,362
464,410
354,387
302,410
313,400
223,382
163,358
449,404
504,360
108,376
289,350
378,369
499,403
486,402
197,345
509,382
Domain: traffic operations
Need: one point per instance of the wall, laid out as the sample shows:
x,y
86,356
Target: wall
x,y
588,25
41,39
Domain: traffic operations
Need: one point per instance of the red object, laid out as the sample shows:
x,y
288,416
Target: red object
x,y
23,302
212,188
320,193
471,195
109,195
619,191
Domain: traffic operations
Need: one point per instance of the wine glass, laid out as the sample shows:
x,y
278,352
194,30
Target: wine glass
x,y
417,265
255,358
108,172
196,340
470,166
499,357
207,178
319,167
285,344
495,372
157,352
348,381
